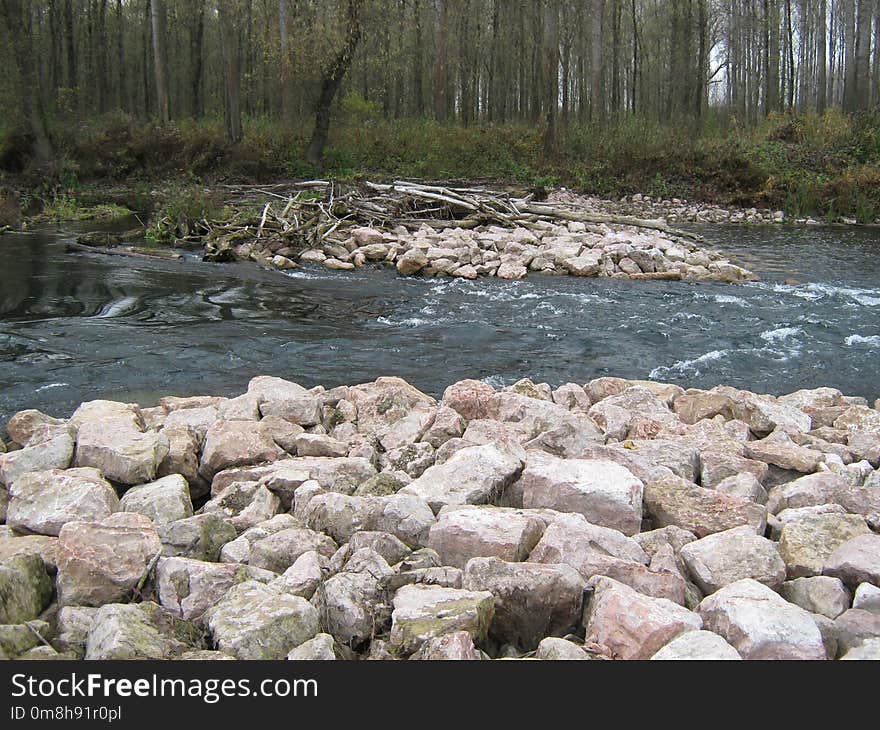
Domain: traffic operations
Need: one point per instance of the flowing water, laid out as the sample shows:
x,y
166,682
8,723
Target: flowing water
x,y
77,326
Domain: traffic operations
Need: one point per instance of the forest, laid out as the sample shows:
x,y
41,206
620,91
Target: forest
x,y
746,101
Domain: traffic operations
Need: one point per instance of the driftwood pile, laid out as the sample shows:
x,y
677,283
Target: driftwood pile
x,y
310,214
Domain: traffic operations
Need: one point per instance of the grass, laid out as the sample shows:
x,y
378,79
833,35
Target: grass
x,y
826,166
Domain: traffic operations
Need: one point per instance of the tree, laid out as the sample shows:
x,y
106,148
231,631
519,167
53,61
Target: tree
x,y
160,59
230,39
551,75
17,19
332,80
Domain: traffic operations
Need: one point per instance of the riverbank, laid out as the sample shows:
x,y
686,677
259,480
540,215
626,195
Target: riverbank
x,y
806,166
619,519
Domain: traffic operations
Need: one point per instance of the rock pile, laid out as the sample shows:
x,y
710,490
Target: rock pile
x,y
575,249
614,520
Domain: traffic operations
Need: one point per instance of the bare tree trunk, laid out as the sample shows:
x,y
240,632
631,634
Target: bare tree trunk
x,y
160,60
863,54
551,75
597,70
822,61
418,54
286,91
440,65
850,79
231,42
331,82
17,17
771,34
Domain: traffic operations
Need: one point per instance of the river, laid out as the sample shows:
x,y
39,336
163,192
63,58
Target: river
x,y
78,326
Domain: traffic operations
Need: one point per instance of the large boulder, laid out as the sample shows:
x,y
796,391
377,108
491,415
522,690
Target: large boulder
x,y
24,425
235,443
854,627
464,532
471,399
676,501
474,475
856,561
778,449
716,467
630,625
725,557
277,552
134,631
25,588
697,646
819,594
457,646
760,624
353,603
104,561
605,493
119,451
532,601
244,505
56,453
807,542
190,587
424,612
256,621
44,501
200,537
384,402
163,501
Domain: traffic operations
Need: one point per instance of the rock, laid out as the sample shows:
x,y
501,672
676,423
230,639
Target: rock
x,y
814,489
854,627
695,405
447,424
200,537
340,516
308,444
654,540
457,646
381,485
44,501
384,402
569,538
474,475
760,624
53,454
729,556
195,420
408,518
587,264
190,587
697,645
630,625
25,424
303,577
818,594
424,612
131,631
462,533
532,600
277,552
183,459
24,587
255,621
868,650
717,467
235,443
243,408
352,603
411,262
385,544
743,485
302,410
509,270
103,561
73,624
779,450
555,649
121,453
163,501
675,501
471,399
270,388
808,542
867,598
604,492
244,505
239,549
320,648
856,561
42,545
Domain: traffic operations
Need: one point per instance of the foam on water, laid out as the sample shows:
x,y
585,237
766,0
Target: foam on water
x,y
872,340
687,366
